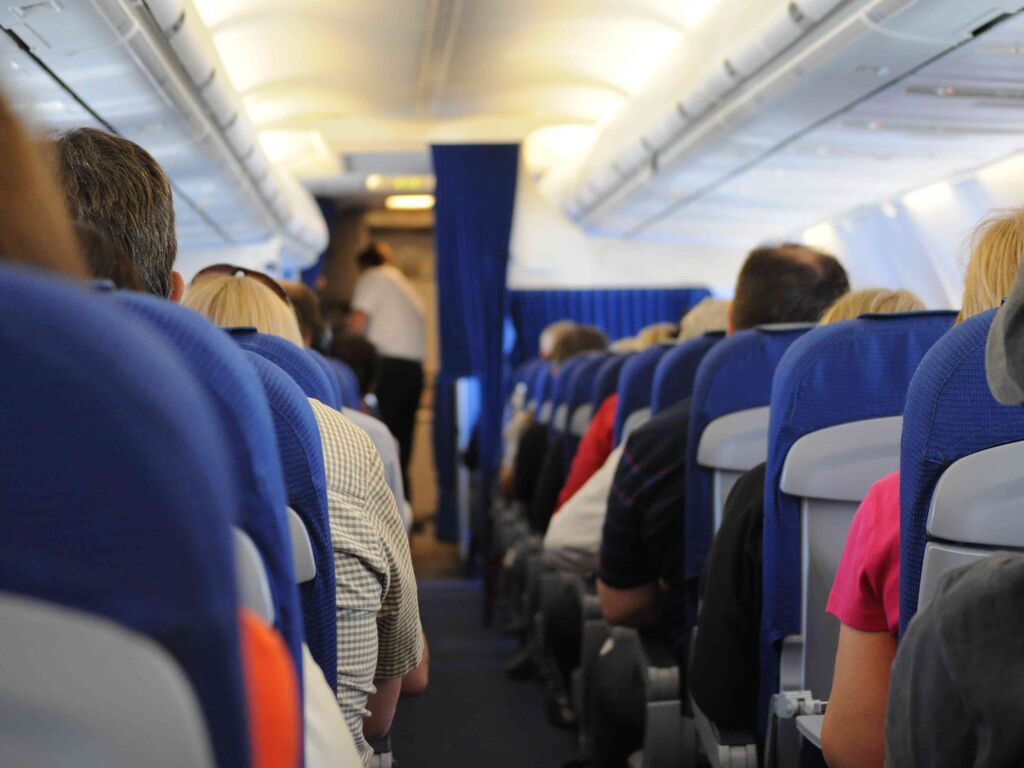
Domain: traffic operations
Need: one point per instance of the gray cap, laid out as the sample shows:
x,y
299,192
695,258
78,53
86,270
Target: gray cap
x,y
1004,351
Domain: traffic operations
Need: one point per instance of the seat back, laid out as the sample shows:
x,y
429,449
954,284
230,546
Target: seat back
x,y
950,423
302,462
245,417
350,394
537,384
61,704
337,389
836,417
294,361
561,393
606,380
108,439
728,432
580,409
541,400
636,382
677,369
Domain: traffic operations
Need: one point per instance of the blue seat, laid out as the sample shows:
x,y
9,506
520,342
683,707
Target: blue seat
x,y
606,380
116,487
635,383
303,370
561,393
337,387
735,377
302,461
351,396
677,369
950,419
245,417
579,409
837,397
539,385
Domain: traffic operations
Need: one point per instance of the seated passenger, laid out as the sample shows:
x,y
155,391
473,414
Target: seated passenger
x,y
550,474
116,187
865,595
379,634
640,572
599,439
574,535
724,679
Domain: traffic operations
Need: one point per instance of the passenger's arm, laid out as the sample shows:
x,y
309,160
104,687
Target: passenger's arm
x,y
414,683
382,707
635,607
357,322
853,733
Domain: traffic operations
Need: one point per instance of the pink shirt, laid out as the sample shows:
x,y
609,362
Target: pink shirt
x,y
866,592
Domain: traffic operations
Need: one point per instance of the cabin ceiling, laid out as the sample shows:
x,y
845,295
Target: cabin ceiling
x,y
326,80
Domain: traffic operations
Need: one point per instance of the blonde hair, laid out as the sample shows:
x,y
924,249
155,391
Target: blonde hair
x,y
706,316
658,333
236,300
871,301
996,248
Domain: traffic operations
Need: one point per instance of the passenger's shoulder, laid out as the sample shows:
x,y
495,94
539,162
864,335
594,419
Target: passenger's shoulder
x,y
335,426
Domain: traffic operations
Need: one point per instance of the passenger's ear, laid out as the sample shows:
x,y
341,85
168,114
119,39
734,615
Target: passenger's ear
x,y
177,287
730,327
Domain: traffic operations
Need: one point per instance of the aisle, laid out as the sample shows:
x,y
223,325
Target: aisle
x,y
471,716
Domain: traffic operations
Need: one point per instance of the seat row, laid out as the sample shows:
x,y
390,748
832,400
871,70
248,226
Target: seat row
x,y
830,410
158,477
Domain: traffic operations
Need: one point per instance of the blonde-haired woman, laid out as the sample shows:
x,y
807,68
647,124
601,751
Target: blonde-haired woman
x,y
232,297
996,248
871,301
707,316
865,593
380,640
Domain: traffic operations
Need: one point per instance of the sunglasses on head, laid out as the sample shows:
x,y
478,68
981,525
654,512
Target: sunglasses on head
x,y
230,269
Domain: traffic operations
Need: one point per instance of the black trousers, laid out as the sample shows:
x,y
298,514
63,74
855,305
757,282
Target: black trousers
x,y
399,389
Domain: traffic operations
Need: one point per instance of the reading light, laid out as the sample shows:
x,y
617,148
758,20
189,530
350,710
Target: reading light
x,y
409,202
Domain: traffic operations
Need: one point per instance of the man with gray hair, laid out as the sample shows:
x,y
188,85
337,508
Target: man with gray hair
x,y
119,189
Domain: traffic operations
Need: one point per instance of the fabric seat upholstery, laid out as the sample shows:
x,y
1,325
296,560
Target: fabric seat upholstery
x,y
109,439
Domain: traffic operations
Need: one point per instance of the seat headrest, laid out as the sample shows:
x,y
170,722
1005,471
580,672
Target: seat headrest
x,y
290,359
677,369
337,392
109,439
636,380
606,381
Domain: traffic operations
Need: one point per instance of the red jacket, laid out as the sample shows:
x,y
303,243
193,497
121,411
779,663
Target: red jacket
x,y
595,447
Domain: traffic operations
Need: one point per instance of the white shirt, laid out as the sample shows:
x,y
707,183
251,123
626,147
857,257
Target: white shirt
x,y
573,539
387,447
396,325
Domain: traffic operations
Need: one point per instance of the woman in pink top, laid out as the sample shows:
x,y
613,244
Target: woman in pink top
x,y
865,595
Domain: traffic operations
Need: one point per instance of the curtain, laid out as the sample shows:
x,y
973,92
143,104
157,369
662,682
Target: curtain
x,y
475,193
616,312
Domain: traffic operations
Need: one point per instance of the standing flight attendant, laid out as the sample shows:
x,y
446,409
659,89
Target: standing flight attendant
x,y
388,311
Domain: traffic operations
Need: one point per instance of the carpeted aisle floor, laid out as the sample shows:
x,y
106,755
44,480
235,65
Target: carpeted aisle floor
x,y
471,716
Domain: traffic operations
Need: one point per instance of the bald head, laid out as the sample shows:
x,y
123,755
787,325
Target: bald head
x,y
786,284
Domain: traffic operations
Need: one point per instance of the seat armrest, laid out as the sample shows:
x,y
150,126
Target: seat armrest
x,y
809,727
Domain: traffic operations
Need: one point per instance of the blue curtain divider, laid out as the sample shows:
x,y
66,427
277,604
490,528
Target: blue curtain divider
x,y
475,194
616,312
